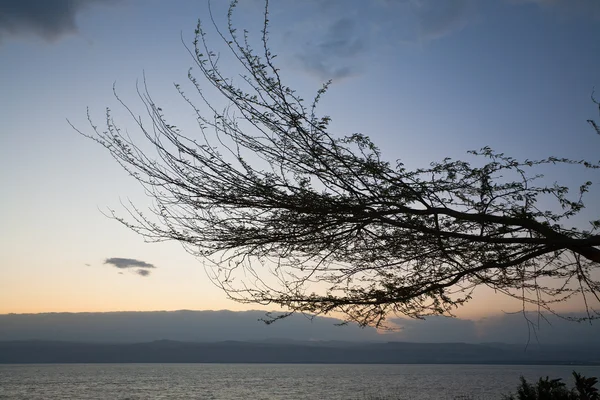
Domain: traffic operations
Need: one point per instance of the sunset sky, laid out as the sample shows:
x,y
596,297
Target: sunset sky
x,y
425,79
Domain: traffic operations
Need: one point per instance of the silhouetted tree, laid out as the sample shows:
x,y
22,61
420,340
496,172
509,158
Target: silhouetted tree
x,y
555,389
586,387
591,121
290,214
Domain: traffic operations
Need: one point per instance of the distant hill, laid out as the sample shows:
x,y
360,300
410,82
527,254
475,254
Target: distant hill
x,y
166,351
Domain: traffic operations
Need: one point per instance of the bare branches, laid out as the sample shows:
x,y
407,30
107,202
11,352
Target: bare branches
x,y
288,214
591,121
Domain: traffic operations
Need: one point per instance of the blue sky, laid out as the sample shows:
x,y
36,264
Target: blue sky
x,y
424,79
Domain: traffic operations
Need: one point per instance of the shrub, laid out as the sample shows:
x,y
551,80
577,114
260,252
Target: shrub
x,y
555,389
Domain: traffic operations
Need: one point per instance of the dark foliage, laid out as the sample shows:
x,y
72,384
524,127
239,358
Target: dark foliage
x,y
555,389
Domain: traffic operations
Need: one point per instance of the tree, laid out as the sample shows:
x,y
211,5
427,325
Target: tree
x,y
555,389
289,214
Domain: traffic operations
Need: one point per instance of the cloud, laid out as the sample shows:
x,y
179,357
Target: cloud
x,y
549,330
49,20
246,325
125,263
436,19
330,54
334,39
505,328
141,267
190,326
436,329
568,8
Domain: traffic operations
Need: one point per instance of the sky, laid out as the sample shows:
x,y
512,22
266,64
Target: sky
x,y
424,79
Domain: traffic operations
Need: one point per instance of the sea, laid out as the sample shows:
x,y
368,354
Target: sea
x,y
271,381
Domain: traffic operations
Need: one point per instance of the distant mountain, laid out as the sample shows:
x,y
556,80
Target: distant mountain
x,y
166,351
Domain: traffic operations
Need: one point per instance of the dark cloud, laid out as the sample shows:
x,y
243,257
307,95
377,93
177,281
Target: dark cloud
x,y
124,263
48,19
142,268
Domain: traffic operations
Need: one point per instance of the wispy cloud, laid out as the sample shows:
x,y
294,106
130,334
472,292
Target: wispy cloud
x,y
337,38
568,8
328,55
436,19
48,20
142,267
142,272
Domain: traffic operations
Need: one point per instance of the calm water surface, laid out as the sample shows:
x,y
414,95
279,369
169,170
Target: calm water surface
x,y
267,381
